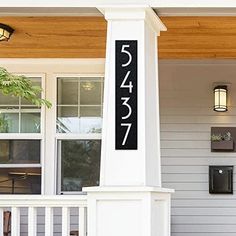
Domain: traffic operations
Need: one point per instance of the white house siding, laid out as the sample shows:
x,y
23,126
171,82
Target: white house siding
x,y
186,101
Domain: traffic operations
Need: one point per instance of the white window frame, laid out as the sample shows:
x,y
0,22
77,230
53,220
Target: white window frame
x,y
72,136
51,68
31,136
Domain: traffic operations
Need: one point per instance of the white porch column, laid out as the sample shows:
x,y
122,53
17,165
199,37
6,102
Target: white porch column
x,y
139,167
130,200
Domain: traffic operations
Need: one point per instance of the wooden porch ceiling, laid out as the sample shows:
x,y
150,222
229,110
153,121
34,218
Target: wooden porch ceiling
x,y
84,37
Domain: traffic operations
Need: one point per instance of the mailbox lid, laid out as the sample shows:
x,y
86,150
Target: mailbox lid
x,y
221,179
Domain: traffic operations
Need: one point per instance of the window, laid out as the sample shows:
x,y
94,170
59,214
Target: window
x,y
79,123
18,115
20,145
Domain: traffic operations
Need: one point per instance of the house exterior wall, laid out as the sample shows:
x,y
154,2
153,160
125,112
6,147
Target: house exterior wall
x,y
186,102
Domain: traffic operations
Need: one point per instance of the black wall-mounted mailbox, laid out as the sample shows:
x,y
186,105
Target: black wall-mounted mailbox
x,y
221,179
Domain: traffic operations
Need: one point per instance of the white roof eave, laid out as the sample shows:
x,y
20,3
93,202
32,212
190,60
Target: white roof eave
x,y
90,7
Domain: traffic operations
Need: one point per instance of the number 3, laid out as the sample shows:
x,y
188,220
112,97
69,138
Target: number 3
x,y
125,99
128,53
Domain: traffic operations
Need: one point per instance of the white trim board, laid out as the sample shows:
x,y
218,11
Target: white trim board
x,y
90,8
101,3
41,61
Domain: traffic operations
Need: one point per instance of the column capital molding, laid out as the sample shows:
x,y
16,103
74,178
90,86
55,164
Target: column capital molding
x,y
133,12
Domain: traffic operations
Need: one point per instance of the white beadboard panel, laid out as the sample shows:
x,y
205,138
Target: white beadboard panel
x,y
185,136
212,203
186,108
190,111
180,186
190,144
201,195
185,169
196,119
196,220
193,127
175,178
198,161
202,234
201,228
203,211
183,102
193,152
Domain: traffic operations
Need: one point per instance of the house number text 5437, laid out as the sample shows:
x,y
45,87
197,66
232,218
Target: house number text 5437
x,y
126,94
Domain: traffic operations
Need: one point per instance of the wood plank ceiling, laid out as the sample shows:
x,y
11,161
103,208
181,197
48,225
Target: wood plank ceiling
x,y
85,37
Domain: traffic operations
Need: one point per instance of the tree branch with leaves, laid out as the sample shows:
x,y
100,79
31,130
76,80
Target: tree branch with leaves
x,y
21,86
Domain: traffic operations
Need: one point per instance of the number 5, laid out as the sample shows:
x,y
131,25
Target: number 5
x,y
128,53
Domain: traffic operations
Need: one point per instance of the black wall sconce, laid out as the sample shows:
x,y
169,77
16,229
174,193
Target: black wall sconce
x,y
221,97
5,32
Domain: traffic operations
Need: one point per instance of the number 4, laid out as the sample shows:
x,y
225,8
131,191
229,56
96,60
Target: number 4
x,y
123,85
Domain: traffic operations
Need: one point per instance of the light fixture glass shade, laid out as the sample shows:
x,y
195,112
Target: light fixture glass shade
x,y
5,32
220,94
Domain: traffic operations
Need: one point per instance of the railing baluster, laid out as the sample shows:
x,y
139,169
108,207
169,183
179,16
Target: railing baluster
x,y
15,221
82,221
32,221
65,221
1,221
13,204
48,221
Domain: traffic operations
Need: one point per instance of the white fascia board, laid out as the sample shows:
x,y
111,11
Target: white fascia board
x,y
100,3
90,7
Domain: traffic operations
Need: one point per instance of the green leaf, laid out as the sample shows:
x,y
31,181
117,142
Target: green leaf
x,y
21,86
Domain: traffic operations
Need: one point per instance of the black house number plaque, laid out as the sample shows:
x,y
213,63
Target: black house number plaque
x,y
126,94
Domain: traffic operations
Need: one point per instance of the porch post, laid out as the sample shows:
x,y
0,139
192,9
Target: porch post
x,y
130,200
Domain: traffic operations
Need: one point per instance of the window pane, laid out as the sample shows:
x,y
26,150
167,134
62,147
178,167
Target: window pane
x,y
67,111
36,82
79,125
80,163
90,93
90,111
19,151
67,91
30,123
82,109
8,100
13,117
90,125
9,123
67,120
20,180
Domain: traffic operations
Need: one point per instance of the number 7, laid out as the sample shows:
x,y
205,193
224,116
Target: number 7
x,y
127,132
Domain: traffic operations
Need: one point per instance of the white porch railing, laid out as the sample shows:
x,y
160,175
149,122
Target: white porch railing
x,y
14,203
